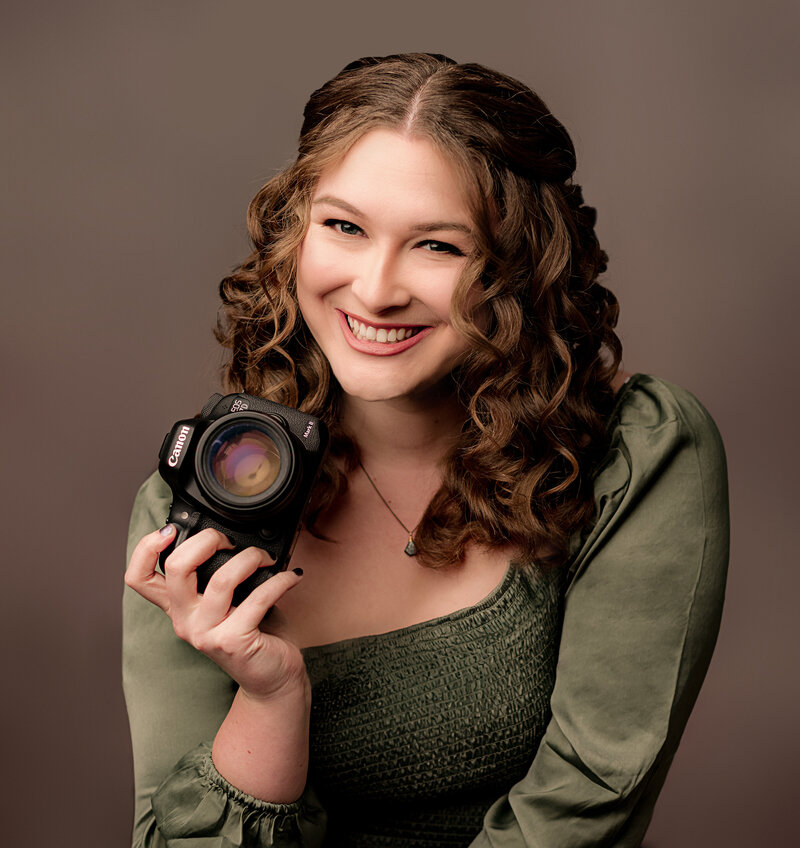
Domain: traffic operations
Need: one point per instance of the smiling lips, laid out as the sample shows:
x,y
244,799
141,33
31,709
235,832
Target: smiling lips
x,y
381,340
366,332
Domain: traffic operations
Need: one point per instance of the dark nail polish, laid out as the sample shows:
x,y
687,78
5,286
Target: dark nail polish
x,y
298,571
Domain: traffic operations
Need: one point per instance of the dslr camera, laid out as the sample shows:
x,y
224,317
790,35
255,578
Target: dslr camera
x,y
245,466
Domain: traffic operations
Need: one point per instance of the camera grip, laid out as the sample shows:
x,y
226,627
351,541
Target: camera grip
x,y
207,569
189,524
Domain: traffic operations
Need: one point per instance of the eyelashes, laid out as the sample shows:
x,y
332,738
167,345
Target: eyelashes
x,y
440,247
344,227
348,228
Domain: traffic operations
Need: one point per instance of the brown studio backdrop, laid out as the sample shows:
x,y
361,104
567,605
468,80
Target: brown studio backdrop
x,y
137,134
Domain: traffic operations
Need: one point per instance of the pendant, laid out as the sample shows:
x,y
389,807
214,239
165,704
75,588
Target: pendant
x,y
410,549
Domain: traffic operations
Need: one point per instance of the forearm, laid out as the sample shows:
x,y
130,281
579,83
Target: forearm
x,y
262,746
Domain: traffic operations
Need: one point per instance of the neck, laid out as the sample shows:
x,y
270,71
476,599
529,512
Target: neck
x,y
404,432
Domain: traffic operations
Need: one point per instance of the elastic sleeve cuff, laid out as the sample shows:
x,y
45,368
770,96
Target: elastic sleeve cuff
x,y
195,800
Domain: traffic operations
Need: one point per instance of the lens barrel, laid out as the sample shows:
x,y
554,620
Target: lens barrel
x,y
246,462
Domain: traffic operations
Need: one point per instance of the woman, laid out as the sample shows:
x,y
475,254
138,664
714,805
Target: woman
x,y
509,585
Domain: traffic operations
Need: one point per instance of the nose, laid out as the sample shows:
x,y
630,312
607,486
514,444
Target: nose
x,y
378,283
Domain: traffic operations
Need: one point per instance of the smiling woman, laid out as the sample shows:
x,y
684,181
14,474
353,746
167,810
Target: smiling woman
x,y
386,271
508,585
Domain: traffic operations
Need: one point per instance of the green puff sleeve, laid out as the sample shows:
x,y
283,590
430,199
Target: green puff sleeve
x,y
641,619
177,698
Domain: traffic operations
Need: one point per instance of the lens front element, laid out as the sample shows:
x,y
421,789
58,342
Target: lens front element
x,y
246,463
244,460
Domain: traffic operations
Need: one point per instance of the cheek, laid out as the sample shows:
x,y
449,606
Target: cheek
x,y
308,289
440,297
317,276
307,272
319,268
311,268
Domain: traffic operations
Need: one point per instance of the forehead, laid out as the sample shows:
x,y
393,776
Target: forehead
x,y
408,172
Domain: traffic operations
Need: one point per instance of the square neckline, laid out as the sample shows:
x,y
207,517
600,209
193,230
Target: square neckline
x,y
513,569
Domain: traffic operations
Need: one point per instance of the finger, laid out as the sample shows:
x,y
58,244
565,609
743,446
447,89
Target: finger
x,y
253,608
218,594
181,565
141,574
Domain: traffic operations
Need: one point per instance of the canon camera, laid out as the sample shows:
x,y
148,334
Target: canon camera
x,y
245,467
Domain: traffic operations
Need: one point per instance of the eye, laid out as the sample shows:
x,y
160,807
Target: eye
x,y
343,227
440,247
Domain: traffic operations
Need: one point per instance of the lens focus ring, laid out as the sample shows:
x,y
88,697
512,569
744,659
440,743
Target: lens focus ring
x,y
246,461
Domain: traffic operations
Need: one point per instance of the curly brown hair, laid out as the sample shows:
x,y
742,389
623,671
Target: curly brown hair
x,y
536,384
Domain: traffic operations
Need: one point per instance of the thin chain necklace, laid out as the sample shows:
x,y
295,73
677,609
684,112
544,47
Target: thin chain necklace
x,y
410,548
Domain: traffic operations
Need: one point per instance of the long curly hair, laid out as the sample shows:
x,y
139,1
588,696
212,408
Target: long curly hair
x,y
536,384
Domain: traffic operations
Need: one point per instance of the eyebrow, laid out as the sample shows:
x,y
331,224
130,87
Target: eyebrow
x,y
417,228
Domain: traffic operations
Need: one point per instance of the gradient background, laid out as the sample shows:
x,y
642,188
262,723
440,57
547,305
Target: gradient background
x,y
137,135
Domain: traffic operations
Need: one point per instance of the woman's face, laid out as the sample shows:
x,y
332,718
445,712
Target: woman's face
x,y
389,236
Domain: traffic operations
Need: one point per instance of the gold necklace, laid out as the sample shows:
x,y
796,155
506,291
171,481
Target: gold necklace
x,y
410,548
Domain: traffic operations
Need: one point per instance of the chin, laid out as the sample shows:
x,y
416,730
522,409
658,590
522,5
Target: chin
x,y
375,389
393,378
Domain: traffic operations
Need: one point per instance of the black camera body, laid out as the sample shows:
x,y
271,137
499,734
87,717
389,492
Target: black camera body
x,y
245,466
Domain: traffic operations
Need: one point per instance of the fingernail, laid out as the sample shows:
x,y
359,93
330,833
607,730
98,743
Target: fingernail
x,y
167,530
298,571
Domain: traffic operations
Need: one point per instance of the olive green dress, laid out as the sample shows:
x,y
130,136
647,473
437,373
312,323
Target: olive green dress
x,y
547,715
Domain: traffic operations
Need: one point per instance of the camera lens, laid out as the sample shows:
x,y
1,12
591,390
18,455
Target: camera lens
x,y
244,461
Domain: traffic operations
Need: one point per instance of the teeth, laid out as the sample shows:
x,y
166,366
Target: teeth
x,y
366,332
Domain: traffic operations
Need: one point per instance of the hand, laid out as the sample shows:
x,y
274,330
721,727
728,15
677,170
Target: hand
x,y
249,649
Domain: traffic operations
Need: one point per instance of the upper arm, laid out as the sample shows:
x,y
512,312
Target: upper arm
x,y
640,623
